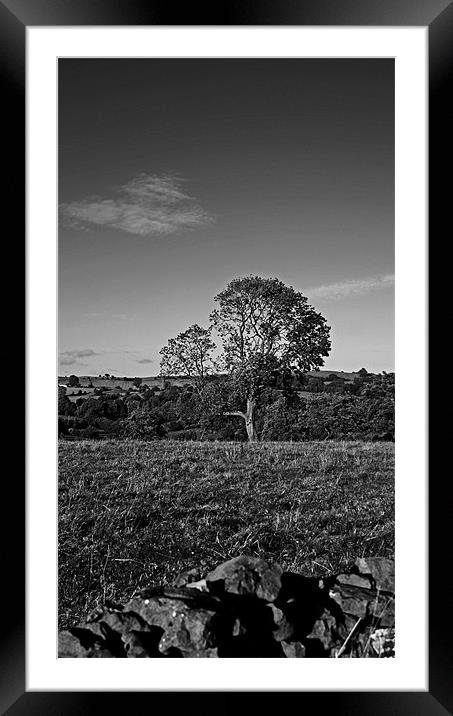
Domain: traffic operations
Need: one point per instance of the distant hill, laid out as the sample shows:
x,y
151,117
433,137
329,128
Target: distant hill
x,y
126,382
319,373
338,373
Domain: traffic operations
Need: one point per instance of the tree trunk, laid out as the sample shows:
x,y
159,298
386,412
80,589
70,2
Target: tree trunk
x,y
249,417
250,421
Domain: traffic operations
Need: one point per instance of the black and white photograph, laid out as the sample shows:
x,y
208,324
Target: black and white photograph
x,y
226,375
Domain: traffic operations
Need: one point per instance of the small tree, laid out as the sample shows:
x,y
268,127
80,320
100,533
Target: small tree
x,y
73,381
190,353
137,382
266,328
65,407
142,424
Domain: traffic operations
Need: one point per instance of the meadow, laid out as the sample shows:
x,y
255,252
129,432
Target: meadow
x,y
134,513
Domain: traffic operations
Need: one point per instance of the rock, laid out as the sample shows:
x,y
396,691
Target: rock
x,y
293,649
352,600
134,647
190,632
201,585
184,628
99,611
246,576
187,577
123,622
381,569
248,608
364,603
327,631
284,629
70,646
143,644
95,628
382,610
355,580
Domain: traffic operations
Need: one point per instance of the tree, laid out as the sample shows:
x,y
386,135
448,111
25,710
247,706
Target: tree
x,y
315,385
142,423
73,381
65,407
137,382
190,354
266,328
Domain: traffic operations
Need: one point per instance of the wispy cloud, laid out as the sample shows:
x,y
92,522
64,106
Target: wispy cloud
x,y
145,360
83,353
356,287
67,360
73,357
147,205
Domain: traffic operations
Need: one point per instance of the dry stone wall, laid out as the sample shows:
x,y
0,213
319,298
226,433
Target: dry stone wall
x,y
247,607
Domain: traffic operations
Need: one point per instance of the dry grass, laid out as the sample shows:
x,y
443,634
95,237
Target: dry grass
x,y
133,513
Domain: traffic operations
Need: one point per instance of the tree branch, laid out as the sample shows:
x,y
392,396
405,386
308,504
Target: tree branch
x,y
238,413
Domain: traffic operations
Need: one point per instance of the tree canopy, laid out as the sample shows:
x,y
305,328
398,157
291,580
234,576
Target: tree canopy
x,y
189,354
266,330
262,319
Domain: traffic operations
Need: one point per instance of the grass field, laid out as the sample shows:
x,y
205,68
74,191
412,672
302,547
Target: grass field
x,y
134,513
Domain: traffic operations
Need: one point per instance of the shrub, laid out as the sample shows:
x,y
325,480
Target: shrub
x,y
281,422
62,427
143,424
65,406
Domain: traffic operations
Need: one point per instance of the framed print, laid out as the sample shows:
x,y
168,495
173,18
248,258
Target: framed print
x,y
227,261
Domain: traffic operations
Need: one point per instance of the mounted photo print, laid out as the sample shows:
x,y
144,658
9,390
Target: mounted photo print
x,y
234,329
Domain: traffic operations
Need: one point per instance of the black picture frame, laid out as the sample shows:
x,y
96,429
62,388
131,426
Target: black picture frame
x,y
437,15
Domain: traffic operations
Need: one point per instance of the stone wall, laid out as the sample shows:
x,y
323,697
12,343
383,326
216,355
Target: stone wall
x,y
247,607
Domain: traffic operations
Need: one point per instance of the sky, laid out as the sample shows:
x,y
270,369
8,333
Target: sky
x,y
178,175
